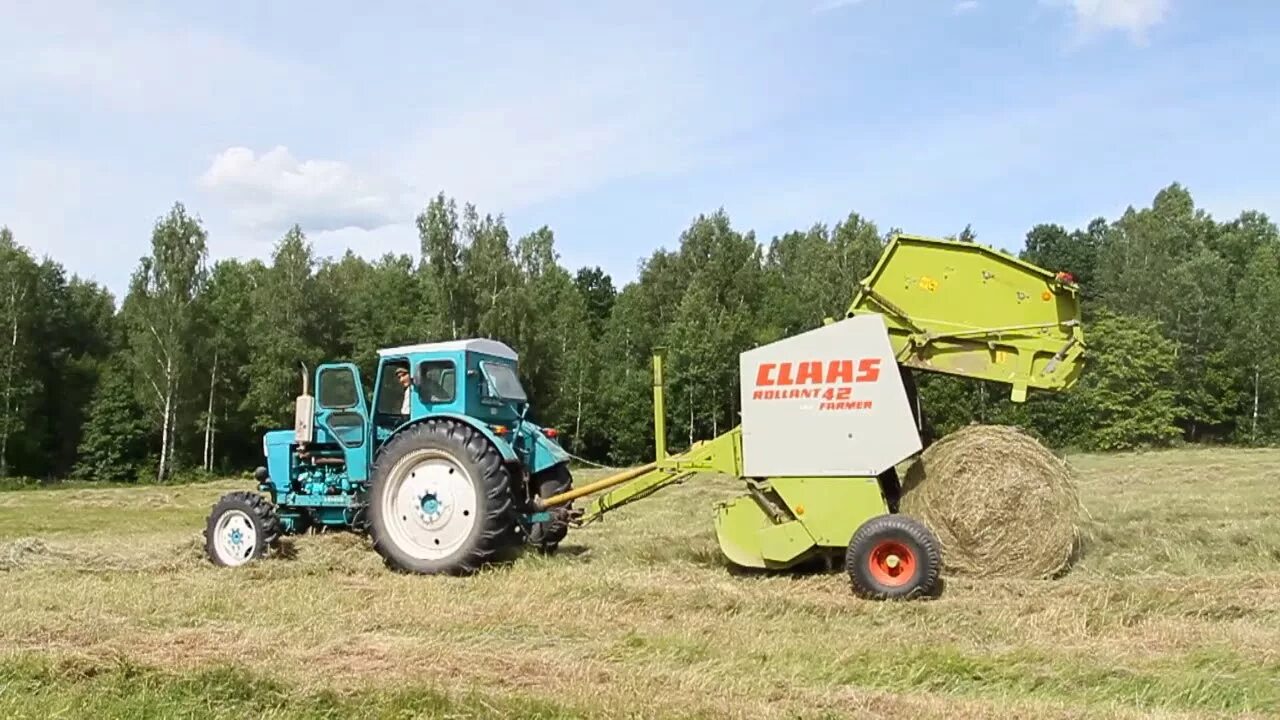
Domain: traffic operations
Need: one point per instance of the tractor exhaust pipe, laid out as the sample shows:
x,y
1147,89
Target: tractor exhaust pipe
x,y
304,412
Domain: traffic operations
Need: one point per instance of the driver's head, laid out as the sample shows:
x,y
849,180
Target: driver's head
x,y
402,374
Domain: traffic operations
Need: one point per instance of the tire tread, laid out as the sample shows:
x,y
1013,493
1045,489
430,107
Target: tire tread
x,y
258,507
901,528
491,472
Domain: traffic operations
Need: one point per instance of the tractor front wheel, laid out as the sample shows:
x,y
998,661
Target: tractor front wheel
x,y
242,527
894,557
440,501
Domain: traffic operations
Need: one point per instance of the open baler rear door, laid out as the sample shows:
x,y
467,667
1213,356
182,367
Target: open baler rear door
x,y
965,309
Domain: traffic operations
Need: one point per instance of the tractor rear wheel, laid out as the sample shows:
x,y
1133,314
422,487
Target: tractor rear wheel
x,y
440,500
546,536
241,528
894,557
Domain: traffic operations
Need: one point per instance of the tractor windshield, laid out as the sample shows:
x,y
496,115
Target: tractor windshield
x,y
504,381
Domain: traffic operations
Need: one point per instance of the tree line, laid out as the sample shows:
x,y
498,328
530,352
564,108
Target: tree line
x,y
183,375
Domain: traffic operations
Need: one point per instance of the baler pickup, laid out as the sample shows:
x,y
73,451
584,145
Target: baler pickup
x,y
964,309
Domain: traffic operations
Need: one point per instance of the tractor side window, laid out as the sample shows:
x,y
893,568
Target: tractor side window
x,y
438,381
338,388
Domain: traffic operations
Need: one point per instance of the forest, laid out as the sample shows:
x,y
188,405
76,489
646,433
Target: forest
x,y
179,378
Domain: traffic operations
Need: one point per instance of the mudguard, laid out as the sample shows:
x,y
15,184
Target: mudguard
x,y
503,446
546,453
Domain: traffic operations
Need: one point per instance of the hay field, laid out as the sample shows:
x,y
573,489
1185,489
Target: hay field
x,y
107,610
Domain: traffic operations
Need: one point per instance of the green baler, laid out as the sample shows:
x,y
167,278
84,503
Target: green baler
x,y
827,415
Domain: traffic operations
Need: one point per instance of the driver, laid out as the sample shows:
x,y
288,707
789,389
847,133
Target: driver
x,y
402,374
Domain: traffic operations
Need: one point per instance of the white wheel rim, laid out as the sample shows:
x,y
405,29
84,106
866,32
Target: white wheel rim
x,y
429,506
234,538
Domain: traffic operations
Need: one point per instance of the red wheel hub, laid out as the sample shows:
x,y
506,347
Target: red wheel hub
x,y
892,563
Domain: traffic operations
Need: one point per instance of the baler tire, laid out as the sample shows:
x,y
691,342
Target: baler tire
x,y
495,511
873,549
546,536
262,521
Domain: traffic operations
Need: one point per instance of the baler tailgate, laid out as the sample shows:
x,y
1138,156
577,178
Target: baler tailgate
x,y
964,309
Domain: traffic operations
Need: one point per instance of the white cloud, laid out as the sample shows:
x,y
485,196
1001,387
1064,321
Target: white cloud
x,y
509,135
274,190
541,132
829,5
965,6
397,239
1133,16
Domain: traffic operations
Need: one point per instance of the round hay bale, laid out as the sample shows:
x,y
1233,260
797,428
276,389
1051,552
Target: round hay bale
x,y
1001,504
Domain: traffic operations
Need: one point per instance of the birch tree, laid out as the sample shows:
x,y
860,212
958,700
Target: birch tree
x,y
552,332
441,269
162,319
226,312
1255,340
17,276
597,293
490,276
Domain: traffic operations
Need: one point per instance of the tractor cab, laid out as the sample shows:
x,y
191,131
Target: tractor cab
x,y
476,378
474,381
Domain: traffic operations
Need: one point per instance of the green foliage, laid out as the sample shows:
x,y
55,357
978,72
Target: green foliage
x,y
598,296
1054,249
1256,345
224,424
116,430
196,362
286,330
715,319
446,296
375,305
1129,391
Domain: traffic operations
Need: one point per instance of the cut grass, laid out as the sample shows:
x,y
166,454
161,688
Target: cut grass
x,y
1174,611
34,688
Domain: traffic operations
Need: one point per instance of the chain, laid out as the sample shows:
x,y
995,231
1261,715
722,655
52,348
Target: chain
x,y
585,461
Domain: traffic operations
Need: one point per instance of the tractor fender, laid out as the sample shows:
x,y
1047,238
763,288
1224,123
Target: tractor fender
x,y
546,452
504,447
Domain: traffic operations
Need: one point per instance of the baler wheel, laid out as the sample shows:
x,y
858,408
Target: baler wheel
x,y
546,536
241,528
893,557
440,501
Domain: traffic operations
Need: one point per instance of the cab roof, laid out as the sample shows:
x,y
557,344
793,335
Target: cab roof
x,y
484,346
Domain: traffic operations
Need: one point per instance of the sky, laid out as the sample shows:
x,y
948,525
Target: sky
x,y
617,123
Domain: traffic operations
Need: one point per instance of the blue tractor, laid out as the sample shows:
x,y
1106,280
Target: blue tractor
x,y
441,467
